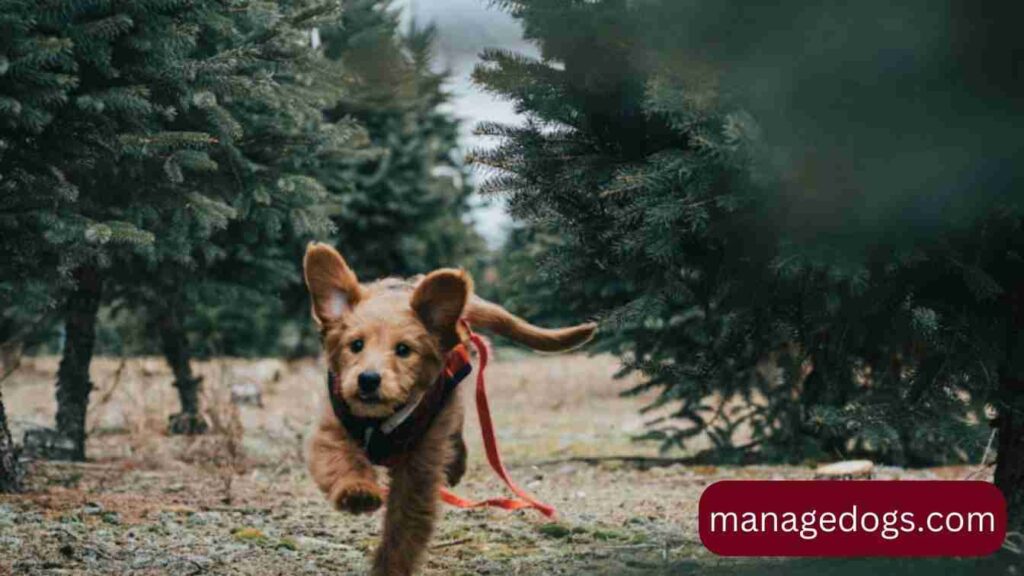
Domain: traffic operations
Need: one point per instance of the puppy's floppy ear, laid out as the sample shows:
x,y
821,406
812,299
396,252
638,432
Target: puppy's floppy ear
x,y
439,300
332,285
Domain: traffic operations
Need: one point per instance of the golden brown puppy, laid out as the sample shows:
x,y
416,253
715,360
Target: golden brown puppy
x,y
386,345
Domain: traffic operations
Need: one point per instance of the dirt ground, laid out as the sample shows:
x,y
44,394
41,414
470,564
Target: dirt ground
x,y
238,500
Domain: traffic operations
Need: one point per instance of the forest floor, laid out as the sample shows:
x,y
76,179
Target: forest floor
x,y
238,500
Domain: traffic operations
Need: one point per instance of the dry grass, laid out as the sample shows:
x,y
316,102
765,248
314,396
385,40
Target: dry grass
x,y
238,501
221,450
544,407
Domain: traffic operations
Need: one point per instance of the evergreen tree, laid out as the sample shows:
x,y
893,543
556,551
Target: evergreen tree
x,y
138,74
406,210
399,206
35,76
264,109
51,54
625,199
169,160
384,152
646,167
143,113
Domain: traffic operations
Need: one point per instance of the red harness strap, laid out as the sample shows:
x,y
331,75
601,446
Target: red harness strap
x,y
524,500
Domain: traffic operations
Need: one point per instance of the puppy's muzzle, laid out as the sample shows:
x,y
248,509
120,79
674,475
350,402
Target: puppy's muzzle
x,y
369,386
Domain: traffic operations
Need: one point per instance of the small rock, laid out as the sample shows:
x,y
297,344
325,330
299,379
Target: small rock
x,y
246,394
112,518
48,444
204,518
566,469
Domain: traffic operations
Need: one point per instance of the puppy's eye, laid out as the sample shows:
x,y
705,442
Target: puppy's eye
x,y
402,350
356,346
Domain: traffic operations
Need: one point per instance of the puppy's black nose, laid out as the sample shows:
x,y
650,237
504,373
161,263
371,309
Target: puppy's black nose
x,y
369,382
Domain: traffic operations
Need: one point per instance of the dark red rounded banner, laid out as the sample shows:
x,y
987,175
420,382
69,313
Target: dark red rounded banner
x,y
852,518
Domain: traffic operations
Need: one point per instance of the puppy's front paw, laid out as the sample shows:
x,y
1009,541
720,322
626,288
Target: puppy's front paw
x,y
357,497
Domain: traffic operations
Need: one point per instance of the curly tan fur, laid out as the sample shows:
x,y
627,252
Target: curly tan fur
x,y
363,328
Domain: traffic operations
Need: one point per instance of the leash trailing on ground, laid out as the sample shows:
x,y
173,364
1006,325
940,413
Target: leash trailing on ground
x,y
524,499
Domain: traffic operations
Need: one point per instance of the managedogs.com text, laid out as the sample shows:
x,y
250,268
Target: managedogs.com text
x,y
889,525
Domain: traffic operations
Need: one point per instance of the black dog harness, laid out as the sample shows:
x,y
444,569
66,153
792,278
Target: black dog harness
x,y
385,440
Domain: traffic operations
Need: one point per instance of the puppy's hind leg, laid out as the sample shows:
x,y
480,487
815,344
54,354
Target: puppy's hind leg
x,y
413,504
455,469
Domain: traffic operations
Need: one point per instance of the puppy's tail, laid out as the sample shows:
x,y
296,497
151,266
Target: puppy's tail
x,y
489,316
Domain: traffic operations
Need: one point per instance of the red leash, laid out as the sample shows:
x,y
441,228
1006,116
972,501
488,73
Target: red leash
x,y
524,500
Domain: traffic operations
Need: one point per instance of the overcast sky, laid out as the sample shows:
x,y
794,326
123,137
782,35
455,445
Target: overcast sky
x,y
465,27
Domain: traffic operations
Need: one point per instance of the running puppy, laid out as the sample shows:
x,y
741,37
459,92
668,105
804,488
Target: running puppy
x,y
392,400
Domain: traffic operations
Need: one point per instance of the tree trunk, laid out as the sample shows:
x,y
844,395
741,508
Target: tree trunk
x,y
175,348
1010,465
10,357
1009,475
73,384
10,468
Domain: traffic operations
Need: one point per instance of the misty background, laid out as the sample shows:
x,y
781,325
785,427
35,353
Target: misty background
x,y
872,117
465,27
